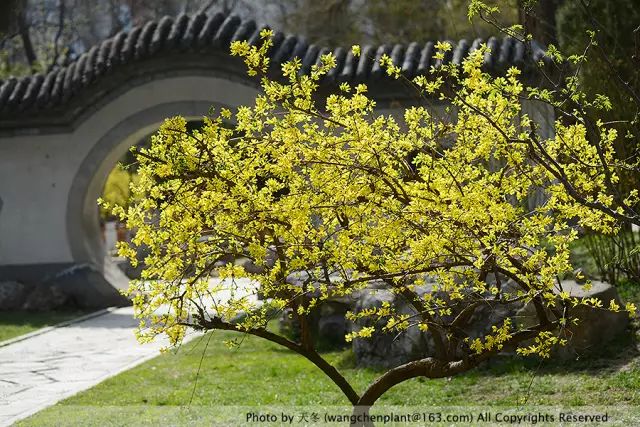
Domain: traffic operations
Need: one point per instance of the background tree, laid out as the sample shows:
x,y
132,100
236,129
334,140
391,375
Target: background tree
x,y
46,34
405,21
8,12
41,35
344,22
610,69
329,23
538,17
117,188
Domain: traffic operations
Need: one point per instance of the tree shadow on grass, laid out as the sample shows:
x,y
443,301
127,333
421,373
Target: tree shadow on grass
x,y
621,352
618,353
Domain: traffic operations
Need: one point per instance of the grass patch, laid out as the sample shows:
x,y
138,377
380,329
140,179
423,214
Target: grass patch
x,y
629,291
16,323
260,373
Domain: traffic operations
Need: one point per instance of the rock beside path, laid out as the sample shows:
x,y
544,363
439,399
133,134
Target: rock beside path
x,y
13,295
595,328
80,286
386,350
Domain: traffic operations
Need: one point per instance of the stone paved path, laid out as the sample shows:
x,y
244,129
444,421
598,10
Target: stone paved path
x,y
44,369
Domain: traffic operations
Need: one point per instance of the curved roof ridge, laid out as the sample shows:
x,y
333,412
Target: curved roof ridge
x,y
201,32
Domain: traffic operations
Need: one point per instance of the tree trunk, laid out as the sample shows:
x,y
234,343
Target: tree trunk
x,y
539,20
23,30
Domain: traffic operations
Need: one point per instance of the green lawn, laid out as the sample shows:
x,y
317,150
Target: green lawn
x,y
260,373
205,378
16,323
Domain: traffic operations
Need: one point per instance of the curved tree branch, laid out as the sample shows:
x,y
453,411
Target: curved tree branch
x,y
309,353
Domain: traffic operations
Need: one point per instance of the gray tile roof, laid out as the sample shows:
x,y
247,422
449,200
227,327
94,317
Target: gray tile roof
x,y
201,33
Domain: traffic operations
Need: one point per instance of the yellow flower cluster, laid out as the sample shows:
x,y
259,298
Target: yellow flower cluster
x,y
328,198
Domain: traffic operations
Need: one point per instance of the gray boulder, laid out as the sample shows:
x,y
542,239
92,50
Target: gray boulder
x,y
595,328
392,349
47,298
251,266
327,323
248,265
13,295
487,315
85,287
385,350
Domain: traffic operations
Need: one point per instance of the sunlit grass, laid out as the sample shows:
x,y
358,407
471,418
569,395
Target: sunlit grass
x,y
205,375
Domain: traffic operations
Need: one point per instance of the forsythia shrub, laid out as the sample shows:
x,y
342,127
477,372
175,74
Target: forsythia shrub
x,y
331,198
